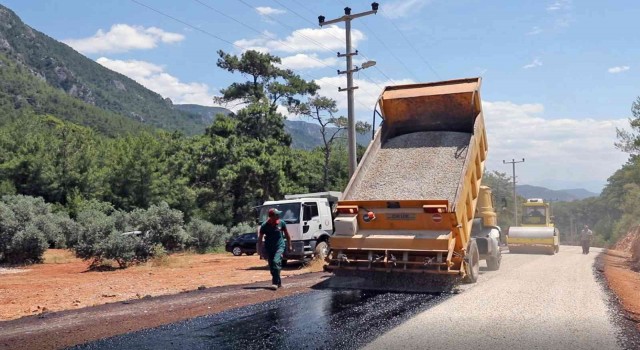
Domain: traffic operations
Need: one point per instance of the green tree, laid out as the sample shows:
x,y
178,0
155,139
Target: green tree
x,y
322,110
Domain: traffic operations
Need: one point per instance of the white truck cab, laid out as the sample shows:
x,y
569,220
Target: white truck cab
x,y
309,219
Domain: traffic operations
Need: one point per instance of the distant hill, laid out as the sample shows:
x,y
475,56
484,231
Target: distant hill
x,y
305,135
41,59
528,191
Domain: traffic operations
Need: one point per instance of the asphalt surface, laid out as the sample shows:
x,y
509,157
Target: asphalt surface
x,y
532,302
328,319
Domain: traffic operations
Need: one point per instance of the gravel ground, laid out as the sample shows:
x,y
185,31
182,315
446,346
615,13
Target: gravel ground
x,y
532,302
420,165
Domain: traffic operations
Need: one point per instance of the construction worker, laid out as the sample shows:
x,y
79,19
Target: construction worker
x,y
585,239
274,231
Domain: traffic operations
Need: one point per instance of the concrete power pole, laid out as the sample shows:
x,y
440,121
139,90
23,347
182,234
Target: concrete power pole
x,y
515,196
351,125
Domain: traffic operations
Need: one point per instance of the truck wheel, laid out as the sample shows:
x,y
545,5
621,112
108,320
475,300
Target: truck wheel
x,y
322,249
557,249
237,251
472,265
493,262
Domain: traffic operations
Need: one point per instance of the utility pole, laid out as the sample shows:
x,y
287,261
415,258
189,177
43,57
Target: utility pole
x,y
515,197
351,123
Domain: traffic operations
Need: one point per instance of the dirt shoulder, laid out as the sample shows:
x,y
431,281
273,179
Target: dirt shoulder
x,y
64,283
67,328
624,282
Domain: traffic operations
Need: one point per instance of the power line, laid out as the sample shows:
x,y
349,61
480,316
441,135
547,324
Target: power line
x,y
312,23
390,51
256,30
226,41
424,60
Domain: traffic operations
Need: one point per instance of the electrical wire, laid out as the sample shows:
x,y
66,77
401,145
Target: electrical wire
x,y
226,41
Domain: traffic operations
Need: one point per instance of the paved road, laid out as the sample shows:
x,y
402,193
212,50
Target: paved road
x,y
532,302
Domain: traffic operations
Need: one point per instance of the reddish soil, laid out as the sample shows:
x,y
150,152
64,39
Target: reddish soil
x,y
624,282
64,283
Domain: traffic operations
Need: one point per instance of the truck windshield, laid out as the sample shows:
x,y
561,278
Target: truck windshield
x,y
290,212
534,215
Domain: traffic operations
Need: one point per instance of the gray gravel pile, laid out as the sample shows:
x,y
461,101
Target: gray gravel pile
x,y
420,165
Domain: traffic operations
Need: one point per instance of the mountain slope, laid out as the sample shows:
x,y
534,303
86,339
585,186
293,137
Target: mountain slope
x,y
61,67
22,92
528,191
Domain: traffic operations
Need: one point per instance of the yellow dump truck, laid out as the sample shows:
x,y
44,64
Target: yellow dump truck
x,y
537,233
404,221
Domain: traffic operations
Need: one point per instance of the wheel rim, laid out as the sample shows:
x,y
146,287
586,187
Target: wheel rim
x,y
237,251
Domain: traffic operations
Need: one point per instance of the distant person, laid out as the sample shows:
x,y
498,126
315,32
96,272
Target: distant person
x,y
585,239
274,232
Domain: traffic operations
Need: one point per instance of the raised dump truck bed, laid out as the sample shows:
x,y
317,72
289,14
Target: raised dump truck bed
x,y
407,212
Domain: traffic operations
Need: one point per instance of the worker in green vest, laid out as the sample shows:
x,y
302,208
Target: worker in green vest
x,y
274,232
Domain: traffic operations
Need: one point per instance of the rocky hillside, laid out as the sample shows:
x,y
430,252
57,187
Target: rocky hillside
x,y
59,66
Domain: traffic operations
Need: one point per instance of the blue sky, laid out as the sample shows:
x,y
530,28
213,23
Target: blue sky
x,y
558,76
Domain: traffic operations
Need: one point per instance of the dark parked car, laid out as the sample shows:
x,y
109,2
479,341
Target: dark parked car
x,y
244,243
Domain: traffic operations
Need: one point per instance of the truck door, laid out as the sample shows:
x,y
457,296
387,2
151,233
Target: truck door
x,y
310,220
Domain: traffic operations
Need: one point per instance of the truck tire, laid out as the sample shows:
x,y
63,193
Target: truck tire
x,y
493,262
237,251
557,249
472,265
321,251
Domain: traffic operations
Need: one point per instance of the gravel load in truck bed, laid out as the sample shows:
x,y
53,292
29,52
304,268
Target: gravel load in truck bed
x,y
419,165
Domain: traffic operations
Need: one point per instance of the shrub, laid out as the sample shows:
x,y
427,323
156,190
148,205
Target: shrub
x,y
120,248
206,235
165,225
48,225
27,245
243,227
95,229
26,208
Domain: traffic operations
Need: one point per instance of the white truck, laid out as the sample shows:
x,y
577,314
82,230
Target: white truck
x,y
309,219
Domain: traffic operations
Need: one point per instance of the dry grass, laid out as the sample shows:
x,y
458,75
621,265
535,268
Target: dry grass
x,y
58,256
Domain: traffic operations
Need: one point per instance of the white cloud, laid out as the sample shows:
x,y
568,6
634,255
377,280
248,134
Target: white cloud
x,y
536,63
122,38
303,61
580,151
154,77
303,40
618,69
534,31
269,11
402,8
559,5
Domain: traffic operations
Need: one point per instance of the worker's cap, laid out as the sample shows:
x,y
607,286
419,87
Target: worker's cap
x,y
274,212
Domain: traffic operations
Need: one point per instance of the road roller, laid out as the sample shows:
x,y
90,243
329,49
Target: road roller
x,y
537,233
